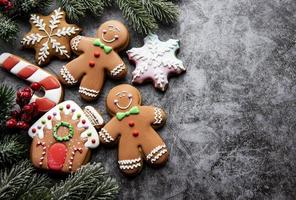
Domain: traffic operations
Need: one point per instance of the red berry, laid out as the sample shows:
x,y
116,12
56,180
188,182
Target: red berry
x,y
14,113
26,117
28,108
35,86
27,89
26,95
22,125
18,93
11,123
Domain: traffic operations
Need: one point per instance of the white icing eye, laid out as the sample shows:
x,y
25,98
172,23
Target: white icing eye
x,y
104,31
130,96
115,101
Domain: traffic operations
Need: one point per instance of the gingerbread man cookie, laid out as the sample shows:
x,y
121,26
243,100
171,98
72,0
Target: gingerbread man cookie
x,y
50,36
133,125
155,61
63,137
96,55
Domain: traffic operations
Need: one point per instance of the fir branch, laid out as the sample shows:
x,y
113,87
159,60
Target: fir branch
x,y
90,181
137,16
37,188
6,99
25,7
12,149
163,10
12,181
75,9
8,29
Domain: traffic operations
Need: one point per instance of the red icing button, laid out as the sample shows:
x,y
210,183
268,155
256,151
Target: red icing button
x,y
92,63
97,54
56,156
68,106
136,133
49,117
131,123
83,121
34,130
93,141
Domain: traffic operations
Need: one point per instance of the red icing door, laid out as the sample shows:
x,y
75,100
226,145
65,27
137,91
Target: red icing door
x,y
56,156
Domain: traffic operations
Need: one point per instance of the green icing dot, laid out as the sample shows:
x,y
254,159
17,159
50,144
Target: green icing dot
x,y
78,115
88,134
43,121
61,108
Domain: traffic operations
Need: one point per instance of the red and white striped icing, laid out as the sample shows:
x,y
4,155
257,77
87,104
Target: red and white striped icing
x,y
29,72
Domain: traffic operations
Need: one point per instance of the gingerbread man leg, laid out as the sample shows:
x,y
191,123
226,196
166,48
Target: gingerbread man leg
x,y
129,158
73,71
91,85
155,150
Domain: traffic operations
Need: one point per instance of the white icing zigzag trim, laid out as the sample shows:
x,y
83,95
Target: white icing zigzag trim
x,y
117,70
75,42
105,135
157,116
67,76
94,117
88,92
156,153
130,164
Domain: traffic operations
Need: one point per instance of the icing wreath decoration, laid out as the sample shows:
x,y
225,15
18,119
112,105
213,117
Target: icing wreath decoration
x,y
107,49
133,111
66,137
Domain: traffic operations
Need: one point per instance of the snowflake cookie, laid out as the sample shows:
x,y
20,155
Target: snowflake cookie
x,y
155,61
63,137
50,36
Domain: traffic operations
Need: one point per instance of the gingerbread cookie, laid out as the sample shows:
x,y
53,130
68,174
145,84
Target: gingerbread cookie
x,y
133,125
53,91
50,36
96,55
155,61
63,137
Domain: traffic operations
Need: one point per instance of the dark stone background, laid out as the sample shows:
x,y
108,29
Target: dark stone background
x,y
231,126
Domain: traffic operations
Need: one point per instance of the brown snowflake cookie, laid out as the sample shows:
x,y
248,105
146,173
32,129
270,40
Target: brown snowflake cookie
x,y
63,137
96,55
133,127
50,36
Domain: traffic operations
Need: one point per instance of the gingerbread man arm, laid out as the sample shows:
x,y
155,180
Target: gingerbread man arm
x,y
109,132
116,67
157,116
80,44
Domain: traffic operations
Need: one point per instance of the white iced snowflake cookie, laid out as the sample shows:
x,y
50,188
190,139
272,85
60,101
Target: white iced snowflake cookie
x,y
155,61
63,137
50,36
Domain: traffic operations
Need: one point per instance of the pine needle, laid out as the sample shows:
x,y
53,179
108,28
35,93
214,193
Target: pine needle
x,y
137,16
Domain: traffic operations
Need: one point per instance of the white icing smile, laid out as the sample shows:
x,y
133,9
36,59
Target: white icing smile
x,y
121,95
115,37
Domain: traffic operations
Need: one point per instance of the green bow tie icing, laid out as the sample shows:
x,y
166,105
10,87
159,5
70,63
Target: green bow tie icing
x,y
133,111
107,49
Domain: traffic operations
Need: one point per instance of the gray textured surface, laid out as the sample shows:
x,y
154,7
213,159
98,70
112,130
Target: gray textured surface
x,y
231,126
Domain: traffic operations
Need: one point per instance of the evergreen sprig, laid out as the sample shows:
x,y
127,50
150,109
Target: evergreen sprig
x,y
136,14
12,149
21,8
12,181
141,14
6,98
89,182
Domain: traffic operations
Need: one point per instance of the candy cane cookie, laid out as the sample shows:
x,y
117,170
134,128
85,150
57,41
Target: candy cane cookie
x,y
53,91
